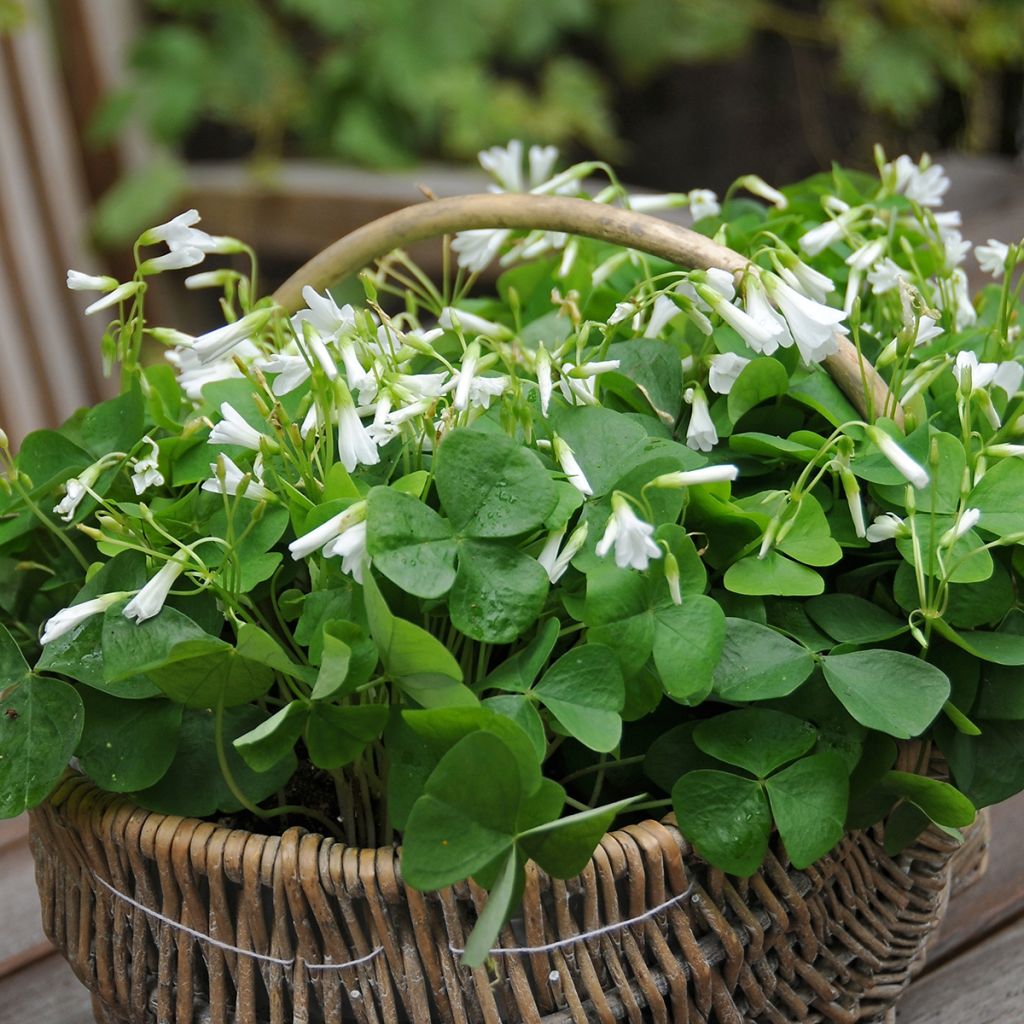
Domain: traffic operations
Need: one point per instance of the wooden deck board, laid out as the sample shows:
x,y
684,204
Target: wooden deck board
x,y
45,993
21,929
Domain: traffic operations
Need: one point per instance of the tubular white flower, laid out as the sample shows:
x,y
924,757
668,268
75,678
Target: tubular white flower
x,y
170,229
119,294
476,249
757,186
916,474
68,618
651,202
465,376
355,445
556,562
956,248
79,486
218,343
292,372
327,531
79,282
150,599
452,319
722,281
544,385
177,259
813,325
886,527
233,429
571,468
866,255
757,335
821,237
622,312
1005,451
925,183
662,313
884,276
146,472
324,314
701,434
505,165
1007,375
755,302
964,312
725,368
350,546
991,257
807,280
703,203
695,477
233,478
632,537
208,279
965,522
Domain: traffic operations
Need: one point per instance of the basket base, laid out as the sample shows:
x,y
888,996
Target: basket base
x,y
103,1014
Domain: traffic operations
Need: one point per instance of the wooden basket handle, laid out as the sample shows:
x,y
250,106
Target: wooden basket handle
x,y
856,377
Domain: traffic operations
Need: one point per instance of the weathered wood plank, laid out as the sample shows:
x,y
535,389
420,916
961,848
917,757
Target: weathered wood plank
x,y
22,929
45,993
983,986
996,899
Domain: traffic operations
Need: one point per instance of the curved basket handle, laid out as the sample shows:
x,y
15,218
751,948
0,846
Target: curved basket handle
x,y
860,381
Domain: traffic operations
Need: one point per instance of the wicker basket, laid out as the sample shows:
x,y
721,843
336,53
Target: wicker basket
x,y
836,942
176,921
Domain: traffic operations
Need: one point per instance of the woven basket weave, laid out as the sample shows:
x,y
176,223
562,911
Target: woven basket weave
x,y
174,921
836,942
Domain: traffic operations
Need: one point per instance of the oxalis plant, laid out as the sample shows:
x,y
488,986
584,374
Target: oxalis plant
x,y
478,571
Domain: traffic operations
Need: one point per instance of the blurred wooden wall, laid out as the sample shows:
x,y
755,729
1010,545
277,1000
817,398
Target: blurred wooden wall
x,y
49,352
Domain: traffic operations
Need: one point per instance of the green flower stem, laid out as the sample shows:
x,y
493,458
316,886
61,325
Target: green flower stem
x,y
237,793
620,762
46,521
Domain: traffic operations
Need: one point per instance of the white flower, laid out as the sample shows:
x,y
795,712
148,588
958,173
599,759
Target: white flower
x,y
172,229
695,477
701,434
79,282
807,280
150,599
703,203
227,479
146,472
208,279
119,294
477,248
885,527
965,522
759,187
350,546
556,562
991,257
323,313
622,312
965,314
464,376
650,202
68,618
757,334
505,165
292,372
79,486
193,375
956,248
355,446
863,257
233,429
916,474
755,301
1006,375
925,183
327,531
821,237
452,319
814,326
177,259
884,276
544,385
725,368
632,537
663,311
1005,451
571,468
218,343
